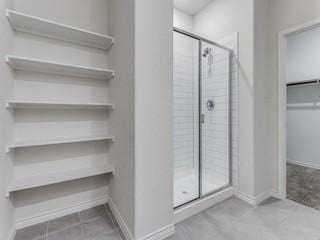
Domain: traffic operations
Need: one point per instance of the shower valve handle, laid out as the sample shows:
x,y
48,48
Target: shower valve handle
x,y
202,118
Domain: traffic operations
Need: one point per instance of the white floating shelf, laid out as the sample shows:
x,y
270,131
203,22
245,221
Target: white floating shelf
x,y
57,105
43,66
56,141
40,180
38,26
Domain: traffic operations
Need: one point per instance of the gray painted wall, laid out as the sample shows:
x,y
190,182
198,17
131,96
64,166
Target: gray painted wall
x,y
153,116
121,25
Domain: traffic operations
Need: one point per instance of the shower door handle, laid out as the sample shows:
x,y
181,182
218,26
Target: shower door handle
x,y
202,118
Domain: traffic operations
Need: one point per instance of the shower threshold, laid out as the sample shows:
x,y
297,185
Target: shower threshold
x,y
186,187
202,204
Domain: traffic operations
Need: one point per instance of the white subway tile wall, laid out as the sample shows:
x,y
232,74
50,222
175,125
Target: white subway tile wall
x,y
215,152
215,129
186,119
185,105
215,145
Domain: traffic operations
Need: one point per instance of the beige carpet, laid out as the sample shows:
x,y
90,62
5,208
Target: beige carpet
x,y
303,185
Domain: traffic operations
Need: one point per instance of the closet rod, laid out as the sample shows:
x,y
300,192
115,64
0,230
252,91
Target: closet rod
x,y
303,82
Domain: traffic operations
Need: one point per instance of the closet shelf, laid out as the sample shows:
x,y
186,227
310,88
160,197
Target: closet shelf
x,y
57,105
310,105
43,66
56,141
46,28
41,180
304,82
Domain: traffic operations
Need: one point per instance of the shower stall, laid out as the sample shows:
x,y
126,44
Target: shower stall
x,y
202,115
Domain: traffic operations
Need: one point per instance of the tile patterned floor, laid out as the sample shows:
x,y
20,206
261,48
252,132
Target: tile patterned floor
x,y
234,219
303,185
92,224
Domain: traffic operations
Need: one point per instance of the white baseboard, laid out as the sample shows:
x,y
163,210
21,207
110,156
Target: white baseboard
x,y
127,233
26,222
12,233
247,198
157,235
315,166
161,234
201,205
262,197
254,200
275,193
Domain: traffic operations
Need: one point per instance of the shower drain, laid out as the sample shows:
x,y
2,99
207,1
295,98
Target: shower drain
x,y
185,192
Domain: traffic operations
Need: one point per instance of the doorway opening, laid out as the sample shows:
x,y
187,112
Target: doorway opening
x,y
299,114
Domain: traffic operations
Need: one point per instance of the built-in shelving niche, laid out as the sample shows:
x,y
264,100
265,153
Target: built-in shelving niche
x,y
50,29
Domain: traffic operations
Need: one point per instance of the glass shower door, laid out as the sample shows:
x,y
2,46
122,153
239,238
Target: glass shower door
x,y
186,119
202,118
215,118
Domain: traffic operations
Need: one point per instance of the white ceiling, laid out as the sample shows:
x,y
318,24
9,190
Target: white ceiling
x,y
191,6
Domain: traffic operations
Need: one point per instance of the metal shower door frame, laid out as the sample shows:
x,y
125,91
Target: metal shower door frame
x,y
201,40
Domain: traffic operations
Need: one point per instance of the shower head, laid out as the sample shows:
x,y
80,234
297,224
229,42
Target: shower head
x,y
206,52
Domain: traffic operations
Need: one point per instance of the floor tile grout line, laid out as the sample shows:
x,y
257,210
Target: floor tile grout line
x,y
238,219
47,230
117,229
291,212
287,213
120,235
43,236
78,224
65,229
107,209
112,218
82,232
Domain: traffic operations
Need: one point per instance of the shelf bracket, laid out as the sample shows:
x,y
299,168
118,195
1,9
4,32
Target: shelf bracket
x,y
7,12
8,149
7,105
7,195
7,59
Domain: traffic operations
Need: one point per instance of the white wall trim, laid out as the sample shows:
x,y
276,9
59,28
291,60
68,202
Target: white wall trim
x,y
262,197
254,200
26,222
274,193
300,163
282,100
245,197
120,220
12,232
282,116
161,234
201,205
